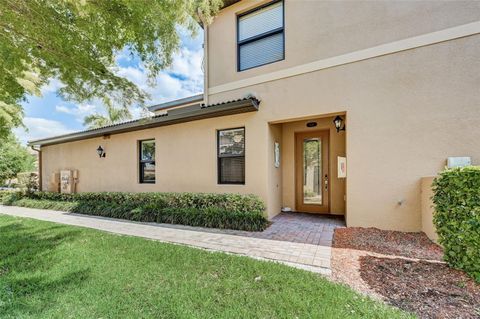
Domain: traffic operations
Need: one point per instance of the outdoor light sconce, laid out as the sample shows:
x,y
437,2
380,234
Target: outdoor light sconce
x,y
338,121
101,152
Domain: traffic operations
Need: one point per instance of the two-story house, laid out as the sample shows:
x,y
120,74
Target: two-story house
x,y
326,107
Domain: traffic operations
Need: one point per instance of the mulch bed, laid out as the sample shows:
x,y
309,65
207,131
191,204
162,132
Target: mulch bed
x,y
411,245
405,270
430,290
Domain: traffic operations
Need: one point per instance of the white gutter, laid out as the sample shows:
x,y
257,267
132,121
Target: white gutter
x,y
205,65
205,57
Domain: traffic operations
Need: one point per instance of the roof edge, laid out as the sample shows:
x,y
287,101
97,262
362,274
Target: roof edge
x,y
175,103
194,112
228,3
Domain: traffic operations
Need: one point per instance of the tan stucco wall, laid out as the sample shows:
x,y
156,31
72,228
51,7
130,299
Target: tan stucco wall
x,y
185,159
321,29
407,112
427,208
275,179
337,148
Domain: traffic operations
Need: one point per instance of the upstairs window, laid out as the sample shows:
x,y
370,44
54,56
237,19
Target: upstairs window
x,y
260,36
147,161
231,156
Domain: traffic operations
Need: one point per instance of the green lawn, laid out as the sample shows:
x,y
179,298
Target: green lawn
x,y
49,270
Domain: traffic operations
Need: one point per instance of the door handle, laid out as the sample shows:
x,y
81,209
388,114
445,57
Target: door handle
x,y
326,182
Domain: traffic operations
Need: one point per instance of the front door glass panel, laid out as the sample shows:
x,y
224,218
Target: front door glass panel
x,y
312,171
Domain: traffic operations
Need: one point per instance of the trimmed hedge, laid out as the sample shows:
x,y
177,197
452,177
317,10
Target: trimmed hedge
x,y
230,211
457,217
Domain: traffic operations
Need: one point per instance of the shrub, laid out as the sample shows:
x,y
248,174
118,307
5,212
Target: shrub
x,y
232,211
6,196
457,217
28,181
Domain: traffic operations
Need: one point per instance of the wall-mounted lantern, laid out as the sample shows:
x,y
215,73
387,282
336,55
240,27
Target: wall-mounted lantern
x,y
101,152
338,121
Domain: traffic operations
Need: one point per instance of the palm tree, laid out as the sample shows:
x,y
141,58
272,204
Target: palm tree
x,y
113,116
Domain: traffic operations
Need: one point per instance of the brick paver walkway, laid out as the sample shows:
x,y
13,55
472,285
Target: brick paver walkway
x,y
294,248
293,227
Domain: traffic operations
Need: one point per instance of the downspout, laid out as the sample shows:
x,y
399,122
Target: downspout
x,y
39,166
204,25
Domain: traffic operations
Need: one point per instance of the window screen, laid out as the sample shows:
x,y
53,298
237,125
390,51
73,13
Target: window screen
x,y
231,156
261,38
147,161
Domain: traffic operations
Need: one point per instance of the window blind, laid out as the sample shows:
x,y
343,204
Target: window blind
x,y
263,51
261,36
232,170
260,21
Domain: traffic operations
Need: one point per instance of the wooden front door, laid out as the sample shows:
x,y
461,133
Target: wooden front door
x,y
312,187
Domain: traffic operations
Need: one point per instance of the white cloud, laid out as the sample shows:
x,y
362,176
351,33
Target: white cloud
x,y
40,128
63,109
189,63
184,78
79,110
52,86
140,112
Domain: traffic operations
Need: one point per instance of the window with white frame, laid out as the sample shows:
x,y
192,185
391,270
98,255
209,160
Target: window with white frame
x,y
260,36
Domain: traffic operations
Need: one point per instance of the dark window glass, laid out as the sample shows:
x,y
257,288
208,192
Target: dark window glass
x,y
231,156
260,36
147,161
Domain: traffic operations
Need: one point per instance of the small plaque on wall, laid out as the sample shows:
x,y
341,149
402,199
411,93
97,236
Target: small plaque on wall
x,y
342,167
277,154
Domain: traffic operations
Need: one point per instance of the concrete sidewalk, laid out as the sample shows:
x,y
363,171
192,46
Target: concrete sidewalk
x,y
310,257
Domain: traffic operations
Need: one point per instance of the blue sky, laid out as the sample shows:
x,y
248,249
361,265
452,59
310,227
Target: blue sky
x,y
49,115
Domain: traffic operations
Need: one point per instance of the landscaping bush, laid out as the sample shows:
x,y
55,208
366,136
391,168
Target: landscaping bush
x,y
232,211
28,181
457,217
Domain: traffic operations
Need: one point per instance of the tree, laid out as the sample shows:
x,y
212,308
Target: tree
x,y
114,115
77,41
14,158
10,116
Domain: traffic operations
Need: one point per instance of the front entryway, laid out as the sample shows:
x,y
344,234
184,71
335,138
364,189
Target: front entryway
x,y
312,187
309,174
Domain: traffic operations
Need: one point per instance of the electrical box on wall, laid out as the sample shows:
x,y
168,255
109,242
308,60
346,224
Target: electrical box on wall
x,y
66,182
459,161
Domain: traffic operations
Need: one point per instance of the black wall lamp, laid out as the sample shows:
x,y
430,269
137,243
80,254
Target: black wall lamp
x,y
338,121
101,153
